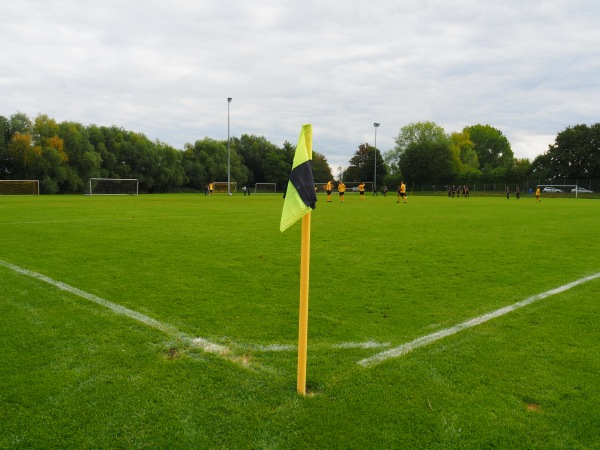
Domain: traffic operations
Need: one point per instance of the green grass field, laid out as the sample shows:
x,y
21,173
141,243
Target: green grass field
x,y
77,374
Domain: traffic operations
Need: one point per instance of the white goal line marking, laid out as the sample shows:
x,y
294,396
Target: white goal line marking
x,y
424,340
170,330
342,346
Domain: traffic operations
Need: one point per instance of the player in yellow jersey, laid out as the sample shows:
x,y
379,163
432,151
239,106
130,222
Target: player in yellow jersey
x,y
401,192
361,190
342,190
210,188
537,195
329,188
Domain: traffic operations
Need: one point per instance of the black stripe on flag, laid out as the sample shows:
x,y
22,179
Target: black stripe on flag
x,y
302,179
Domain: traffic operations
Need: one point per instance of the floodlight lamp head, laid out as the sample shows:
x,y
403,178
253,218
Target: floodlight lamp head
x,y
376,124
228,99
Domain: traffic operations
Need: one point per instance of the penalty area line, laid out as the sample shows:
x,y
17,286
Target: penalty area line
x,y
170,330
424,340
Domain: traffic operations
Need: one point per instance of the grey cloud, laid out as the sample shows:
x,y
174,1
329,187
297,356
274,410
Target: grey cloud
x,y
166,69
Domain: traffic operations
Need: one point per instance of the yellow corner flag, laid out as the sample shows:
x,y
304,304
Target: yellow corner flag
x,y
300,200
300,197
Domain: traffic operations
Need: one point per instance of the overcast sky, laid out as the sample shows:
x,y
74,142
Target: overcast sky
x,y
165,68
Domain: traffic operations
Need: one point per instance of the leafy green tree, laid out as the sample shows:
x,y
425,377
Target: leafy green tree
x,y
13,149
541,167
5,160
20,123
23,156
206,161
464,149
275,167
464,152
43,128
492,147
519,171
574,154
103,141
168,173
83,159
423,153
362,165
320,168
253,150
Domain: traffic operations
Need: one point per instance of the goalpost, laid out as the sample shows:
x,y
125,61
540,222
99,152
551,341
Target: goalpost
x,y
220,187
19,187
113,186
265,188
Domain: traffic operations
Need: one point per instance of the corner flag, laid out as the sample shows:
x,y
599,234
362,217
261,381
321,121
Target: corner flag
x,y
300,200
300,197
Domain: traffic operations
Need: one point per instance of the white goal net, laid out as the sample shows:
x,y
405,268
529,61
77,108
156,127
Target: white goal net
x,y
113,186
265,188
19,187
220,187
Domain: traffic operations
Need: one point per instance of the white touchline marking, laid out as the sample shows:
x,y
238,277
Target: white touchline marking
x,y
65,221
343,345
424,340
170,330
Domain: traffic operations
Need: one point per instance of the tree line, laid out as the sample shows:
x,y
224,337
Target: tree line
x,y
63,156
424,153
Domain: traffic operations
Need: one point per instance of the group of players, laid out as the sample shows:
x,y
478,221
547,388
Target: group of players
x,y
458,191
341,188
453,191
463,191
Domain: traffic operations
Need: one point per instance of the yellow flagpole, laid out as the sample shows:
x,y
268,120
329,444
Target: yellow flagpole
x,y
303,315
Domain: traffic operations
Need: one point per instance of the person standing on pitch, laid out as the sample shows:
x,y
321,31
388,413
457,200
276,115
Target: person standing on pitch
x,y
507,193
361,190
210,188
537,195
342,190
401,192
518,193
329,188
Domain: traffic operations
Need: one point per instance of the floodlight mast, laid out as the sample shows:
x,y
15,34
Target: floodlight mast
x,y
375,125
228,151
